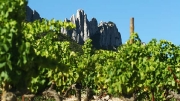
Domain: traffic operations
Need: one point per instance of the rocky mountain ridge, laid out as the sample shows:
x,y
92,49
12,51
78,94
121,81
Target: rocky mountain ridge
x,y
104,35
31,15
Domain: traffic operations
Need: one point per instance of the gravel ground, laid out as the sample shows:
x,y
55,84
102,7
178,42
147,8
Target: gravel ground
x,y
106,98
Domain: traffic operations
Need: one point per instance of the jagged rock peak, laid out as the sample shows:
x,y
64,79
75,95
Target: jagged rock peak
x,y
105,35
80,12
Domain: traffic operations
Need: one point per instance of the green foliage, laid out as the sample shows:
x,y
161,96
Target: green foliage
x,y
136,67
74,46
29,49
9,33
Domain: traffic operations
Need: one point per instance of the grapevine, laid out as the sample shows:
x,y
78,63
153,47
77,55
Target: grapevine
x,y
32,56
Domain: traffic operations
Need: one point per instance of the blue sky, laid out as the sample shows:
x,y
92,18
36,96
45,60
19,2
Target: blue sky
x,y
158,19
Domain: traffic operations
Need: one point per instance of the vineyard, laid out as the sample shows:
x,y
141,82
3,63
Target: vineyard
x,y
33,62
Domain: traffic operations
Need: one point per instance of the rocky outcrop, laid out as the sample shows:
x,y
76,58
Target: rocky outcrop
x,y
109,35
31,15
105,35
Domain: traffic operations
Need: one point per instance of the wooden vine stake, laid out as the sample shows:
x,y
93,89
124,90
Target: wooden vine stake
x,y
131,41
131,28
131,32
